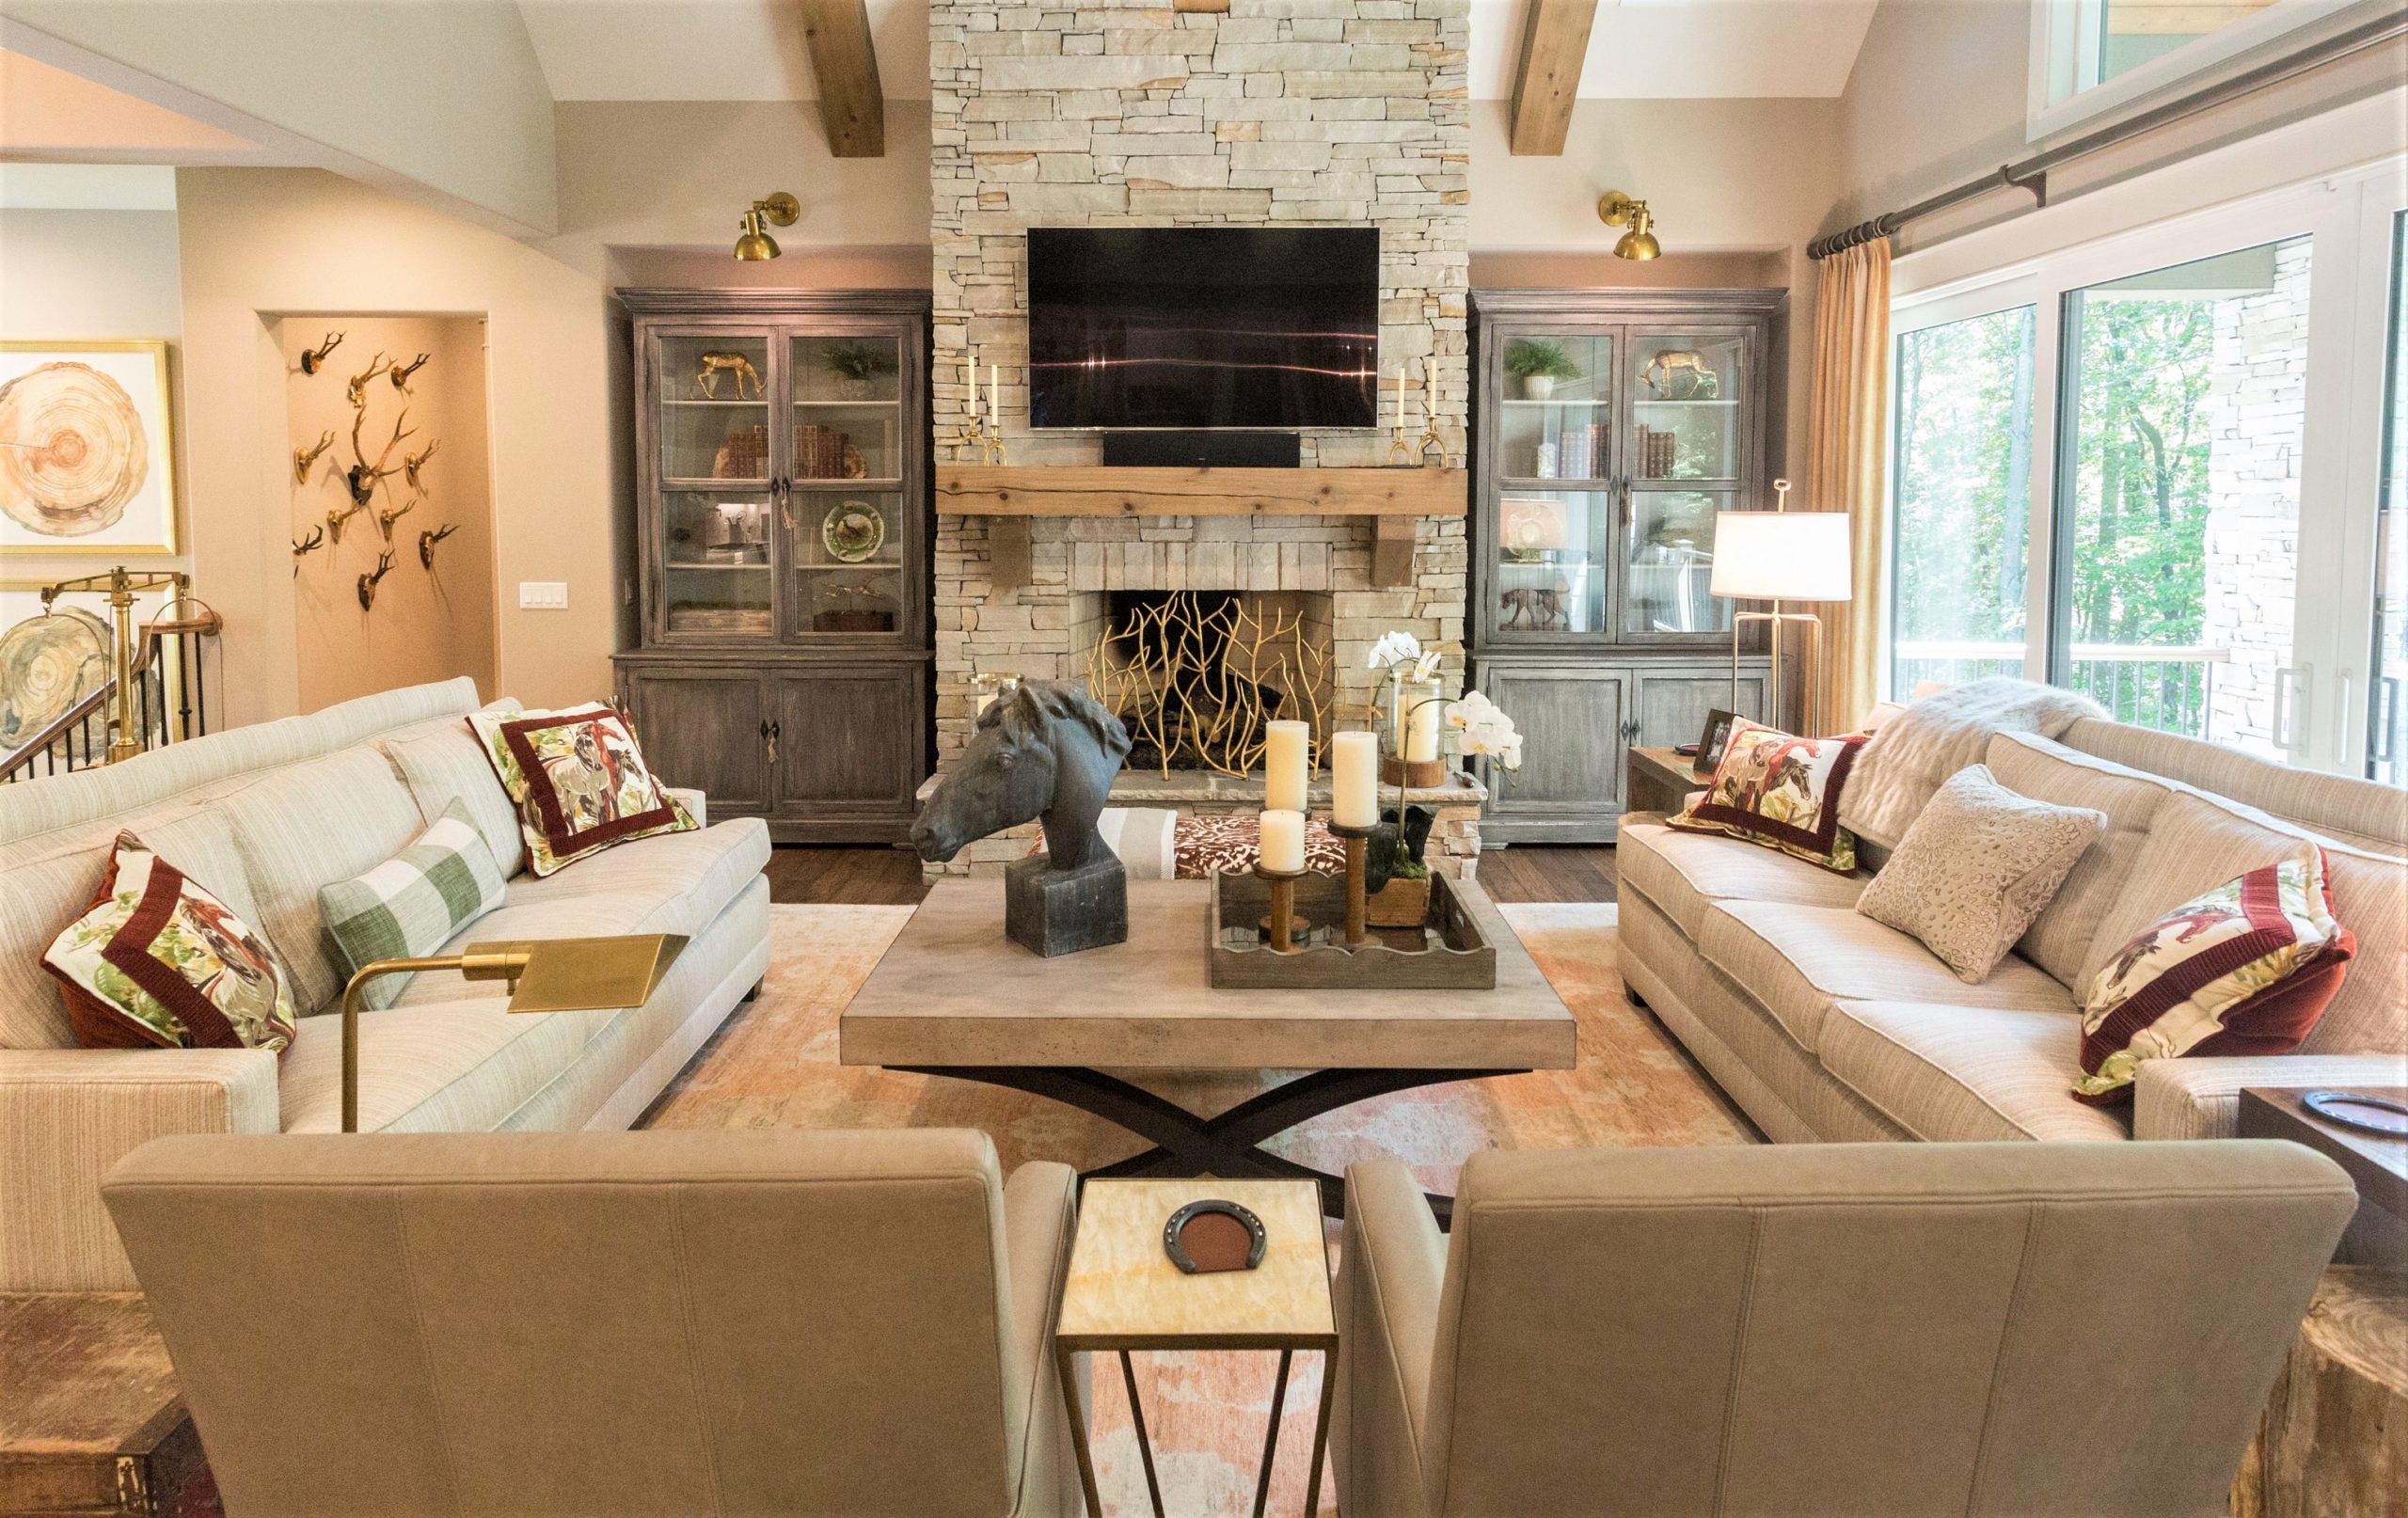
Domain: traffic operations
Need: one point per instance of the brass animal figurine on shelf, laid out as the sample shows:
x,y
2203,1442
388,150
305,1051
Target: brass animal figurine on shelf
x,y
1663,367
412,463
367,583
306,459
1535,606
715,364
428,538
309,545
386,516
400,373
314,358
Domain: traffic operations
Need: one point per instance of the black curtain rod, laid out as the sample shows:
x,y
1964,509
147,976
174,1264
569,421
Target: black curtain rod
x,y
2032,173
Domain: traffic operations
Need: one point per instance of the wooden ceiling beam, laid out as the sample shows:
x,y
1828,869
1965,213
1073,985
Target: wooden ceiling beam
x,y
852,104
1554,44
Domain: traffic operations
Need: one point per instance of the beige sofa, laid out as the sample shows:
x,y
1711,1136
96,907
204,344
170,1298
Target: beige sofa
x,y
263,817
2001,1329
614,1324
1825,1025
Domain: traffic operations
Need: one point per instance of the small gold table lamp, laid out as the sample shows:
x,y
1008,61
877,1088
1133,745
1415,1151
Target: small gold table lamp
x,y
544,975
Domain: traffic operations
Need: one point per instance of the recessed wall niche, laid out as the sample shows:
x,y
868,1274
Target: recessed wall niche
x,y
392,517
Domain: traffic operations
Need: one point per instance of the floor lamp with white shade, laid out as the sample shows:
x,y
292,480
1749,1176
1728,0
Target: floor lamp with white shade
x,y
1779,556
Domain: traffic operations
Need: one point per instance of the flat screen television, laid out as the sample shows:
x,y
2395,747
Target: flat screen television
x,y
1203,326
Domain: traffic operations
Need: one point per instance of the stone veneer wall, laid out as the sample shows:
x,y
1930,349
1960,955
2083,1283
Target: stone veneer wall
x,y
1302,112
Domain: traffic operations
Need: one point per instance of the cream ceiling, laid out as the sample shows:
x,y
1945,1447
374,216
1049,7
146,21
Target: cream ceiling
x,y
668,50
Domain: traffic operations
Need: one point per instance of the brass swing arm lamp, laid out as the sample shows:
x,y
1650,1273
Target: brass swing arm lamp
x,y
544,975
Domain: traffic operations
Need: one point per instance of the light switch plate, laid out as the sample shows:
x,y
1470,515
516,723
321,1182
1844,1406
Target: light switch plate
x,y
542,595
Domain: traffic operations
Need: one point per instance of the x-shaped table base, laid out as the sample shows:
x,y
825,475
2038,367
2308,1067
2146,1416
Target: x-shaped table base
x,y
1229,1144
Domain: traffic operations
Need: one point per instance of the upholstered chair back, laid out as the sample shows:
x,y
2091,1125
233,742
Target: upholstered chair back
x,y
1950,1328
604,1323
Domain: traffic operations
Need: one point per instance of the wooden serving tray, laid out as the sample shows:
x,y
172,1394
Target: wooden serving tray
x,y
1457,956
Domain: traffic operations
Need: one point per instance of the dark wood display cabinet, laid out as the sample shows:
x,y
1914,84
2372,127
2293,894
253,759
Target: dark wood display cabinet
x,y
1610,427
783,524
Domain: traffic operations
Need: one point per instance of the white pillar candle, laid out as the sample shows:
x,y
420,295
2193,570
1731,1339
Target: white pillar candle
x,y
1422,707
1354,779
1283,842
995,397
1283,765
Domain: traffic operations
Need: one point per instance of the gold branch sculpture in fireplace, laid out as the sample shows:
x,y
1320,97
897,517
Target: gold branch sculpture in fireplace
x,y
1203,674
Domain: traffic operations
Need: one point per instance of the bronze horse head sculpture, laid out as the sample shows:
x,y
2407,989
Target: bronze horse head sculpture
x,y
1040,750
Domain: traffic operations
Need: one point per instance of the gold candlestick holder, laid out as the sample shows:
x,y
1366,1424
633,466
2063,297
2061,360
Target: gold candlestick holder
x,y
971,439
1357,841
1282,925
1428,441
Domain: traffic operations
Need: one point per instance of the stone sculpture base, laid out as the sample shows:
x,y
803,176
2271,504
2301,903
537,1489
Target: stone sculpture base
x,y
1050,912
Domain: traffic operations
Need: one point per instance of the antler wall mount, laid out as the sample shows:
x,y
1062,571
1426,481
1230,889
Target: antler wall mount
x,y
428,538
306,459
367,583
400,373
313,359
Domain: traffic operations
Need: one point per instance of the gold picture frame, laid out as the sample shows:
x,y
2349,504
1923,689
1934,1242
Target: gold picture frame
x,y
148,523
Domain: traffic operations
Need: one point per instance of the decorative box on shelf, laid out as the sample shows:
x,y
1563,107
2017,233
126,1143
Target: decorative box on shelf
x,y
1453,954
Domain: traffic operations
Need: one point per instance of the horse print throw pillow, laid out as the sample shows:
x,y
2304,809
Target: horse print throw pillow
x,y
157,961
1781,792
579,780
2244,969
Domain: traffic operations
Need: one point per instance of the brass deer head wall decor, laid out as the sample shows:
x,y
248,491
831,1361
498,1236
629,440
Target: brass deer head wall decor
x,y
337,516
400,373
306,459
428,538
412,463
357,391
367,583
309,545
386,516
362,477
314,358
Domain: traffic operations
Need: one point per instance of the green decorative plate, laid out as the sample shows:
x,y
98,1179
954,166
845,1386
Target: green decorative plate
x,y
853,530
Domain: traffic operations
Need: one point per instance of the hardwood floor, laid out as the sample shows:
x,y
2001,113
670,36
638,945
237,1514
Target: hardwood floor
x,y
891,876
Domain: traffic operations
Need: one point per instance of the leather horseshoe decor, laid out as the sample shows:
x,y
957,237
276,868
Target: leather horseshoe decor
x,y
1214,1235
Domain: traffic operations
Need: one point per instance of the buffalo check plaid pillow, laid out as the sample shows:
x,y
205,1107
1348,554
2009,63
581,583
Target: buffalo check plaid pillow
x,y
413,903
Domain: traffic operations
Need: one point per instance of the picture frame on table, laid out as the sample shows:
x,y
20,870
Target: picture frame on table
x,y
1711,742
86,448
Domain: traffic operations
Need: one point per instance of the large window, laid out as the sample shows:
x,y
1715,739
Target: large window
x,y
2089,57
2179,540
1963,469
2169,469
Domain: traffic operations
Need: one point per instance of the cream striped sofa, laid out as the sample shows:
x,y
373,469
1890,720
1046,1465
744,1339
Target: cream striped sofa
x,y
263,817
1824,1025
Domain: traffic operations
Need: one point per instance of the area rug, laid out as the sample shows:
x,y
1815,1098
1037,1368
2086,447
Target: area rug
x,y
774,1065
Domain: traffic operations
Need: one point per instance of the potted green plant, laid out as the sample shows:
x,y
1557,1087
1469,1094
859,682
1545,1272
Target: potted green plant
x,y
1536,364
856,364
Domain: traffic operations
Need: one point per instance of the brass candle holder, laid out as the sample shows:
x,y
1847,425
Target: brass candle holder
x,y
1357,841
1282,923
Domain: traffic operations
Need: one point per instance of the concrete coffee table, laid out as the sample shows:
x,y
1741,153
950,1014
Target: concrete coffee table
x,y
953,996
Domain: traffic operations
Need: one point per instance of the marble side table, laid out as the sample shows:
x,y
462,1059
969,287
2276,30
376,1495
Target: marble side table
x,y
1123,1293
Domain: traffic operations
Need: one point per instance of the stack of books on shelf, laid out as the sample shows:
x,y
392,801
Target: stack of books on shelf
x,y
745,455
1657,453
819,453
1580,452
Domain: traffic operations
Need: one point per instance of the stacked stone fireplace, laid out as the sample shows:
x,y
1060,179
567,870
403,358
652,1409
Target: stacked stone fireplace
x,y
1278,112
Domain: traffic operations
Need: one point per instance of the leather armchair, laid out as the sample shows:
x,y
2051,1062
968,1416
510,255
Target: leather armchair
x,y
2022,1329
611,1323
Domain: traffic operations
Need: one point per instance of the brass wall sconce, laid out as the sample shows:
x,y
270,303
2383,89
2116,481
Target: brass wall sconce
x,y
1616,209
544,975
779,210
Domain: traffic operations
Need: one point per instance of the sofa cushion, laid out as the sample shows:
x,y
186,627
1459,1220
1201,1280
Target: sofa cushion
x,y
2357,811
414,902
1781,791
1798,962
2198,842
1965,1074
2059,939
1913,752
579,780
459,1066
1974,869
301,827
444,761
1685,873
48,880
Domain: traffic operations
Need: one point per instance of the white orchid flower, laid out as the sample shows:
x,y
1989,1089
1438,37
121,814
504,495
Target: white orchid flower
x,y
1394,649
1427,669
1487,731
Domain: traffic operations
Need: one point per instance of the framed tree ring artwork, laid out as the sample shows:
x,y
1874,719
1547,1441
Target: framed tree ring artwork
x,y
86,448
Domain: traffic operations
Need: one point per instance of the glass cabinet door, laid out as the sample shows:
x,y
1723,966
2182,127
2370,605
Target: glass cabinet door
x,y
712,512
1668,563
1687,417
1550,570
846,522
1557,412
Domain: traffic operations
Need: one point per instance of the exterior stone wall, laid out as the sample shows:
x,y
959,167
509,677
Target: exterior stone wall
x,y
2257,410
1282,112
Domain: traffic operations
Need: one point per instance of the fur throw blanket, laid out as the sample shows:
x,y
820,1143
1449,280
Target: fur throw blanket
x,y
1912,754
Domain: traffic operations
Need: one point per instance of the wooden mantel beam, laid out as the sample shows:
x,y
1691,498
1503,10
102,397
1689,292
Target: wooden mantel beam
x,y
1095,490
852,104
1554,44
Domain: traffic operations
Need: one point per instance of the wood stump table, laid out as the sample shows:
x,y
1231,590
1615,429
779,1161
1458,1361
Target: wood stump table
x,y
92,1421
2333,1441
952,996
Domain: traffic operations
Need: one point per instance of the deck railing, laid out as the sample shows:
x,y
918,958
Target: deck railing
x,y
170,705
2171,690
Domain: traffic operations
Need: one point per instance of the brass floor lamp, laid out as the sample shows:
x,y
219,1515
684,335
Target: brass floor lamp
x,y
544,975
1779,556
